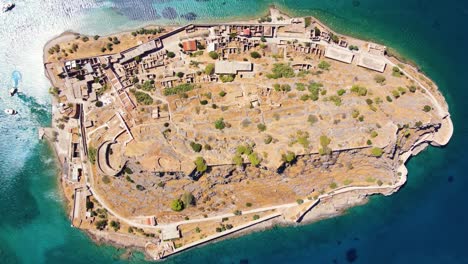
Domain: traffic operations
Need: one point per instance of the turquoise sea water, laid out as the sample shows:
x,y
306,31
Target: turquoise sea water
x,y
423,223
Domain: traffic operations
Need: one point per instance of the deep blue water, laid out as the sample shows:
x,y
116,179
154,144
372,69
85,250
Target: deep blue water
x,y
423,223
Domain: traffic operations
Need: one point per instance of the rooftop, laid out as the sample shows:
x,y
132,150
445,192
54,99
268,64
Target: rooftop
x,y
371,62
232,67
339,54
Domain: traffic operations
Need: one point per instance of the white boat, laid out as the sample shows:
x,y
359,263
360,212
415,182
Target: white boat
x,y
7,7
11,111
13,91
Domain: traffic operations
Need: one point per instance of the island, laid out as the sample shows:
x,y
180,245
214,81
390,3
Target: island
x,y
172,137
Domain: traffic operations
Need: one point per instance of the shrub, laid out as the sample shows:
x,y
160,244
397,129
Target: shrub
x,y
335,99
181,88
147,86
256,217
402,90
115,225
92,154
281,70
377,152
380,79
105,179
324,142
129,179
177,205
127,170
99,104
248,204
227,78
201,164
379,182
304,97
222,93
85,38
101,224
203,102
238,160
195,146
180,74
255,55
244,149
427,108
312,119
333,185
389,99
412,88
142,97
340,92
314,89
268,139
188,199
209,69
323,65
237,212
289,157
220,124
213,54
140,187
300,87
359,90
396,72
96,37
171,54
261,127
307,21
89,205
254,159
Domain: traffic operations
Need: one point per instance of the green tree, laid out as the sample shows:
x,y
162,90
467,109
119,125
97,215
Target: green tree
x,y
200,165
261,127
359,90
427,108
213,54
92,152
89,205
255,55
377,152
380,79
289,157
340,92
101,224
171,54
195,146
281,70
238,160
177,205
254,159
209,69
323,65
220,124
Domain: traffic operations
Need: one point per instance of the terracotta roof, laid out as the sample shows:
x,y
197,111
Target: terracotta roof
x,y
190,45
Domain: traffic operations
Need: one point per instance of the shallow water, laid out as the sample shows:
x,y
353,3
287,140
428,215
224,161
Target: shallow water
x,y
423,223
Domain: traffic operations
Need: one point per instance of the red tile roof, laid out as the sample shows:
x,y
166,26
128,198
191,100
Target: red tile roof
x,y
190,45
